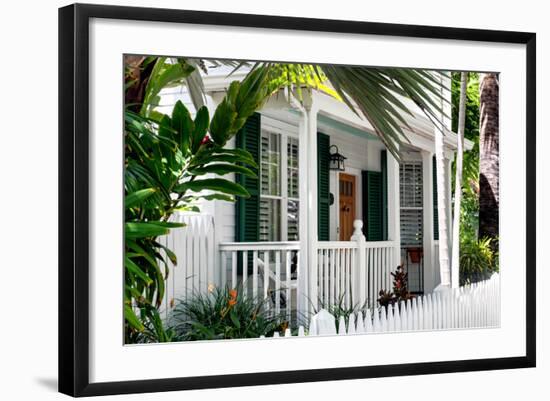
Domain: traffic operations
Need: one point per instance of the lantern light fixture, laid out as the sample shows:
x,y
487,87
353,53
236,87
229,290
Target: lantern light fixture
x,y
336,159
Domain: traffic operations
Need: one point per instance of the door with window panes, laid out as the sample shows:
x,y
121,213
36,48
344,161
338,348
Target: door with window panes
x,y
279,186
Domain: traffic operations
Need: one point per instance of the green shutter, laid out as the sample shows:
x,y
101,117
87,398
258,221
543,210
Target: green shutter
x,y
436,214
375,201
372,205
247,227
323,188
384,195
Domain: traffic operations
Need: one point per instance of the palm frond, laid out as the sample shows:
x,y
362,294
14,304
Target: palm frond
x,y
373,93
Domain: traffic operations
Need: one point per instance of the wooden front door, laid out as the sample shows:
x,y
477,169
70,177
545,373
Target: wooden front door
x,y
347,205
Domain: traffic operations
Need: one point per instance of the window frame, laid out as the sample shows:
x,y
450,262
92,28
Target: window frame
x,y
402,208
285,131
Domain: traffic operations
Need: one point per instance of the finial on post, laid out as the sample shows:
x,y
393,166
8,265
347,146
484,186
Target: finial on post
x,y
357,230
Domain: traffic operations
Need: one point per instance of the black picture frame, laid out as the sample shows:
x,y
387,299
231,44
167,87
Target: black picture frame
x,y
74,198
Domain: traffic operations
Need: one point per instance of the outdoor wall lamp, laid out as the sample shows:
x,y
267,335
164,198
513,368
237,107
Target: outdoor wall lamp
x,y
336,159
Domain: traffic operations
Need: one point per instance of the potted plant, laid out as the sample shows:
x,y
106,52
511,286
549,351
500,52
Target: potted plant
x,y
415,254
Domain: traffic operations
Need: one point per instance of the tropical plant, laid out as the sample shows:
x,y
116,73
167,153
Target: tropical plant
x,y
400,291
340,308
225,313
154,329
166,159
477,260
489,158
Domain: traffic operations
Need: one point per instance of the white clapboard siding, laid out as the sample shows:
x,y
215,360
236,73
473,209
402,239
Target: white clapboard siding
x,y
194,247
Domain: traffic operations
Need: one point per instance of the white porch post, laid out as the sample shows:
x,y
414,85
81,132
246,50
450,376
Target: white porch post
x,y
311,205
394,219
428,222
302,295
449,209
307,272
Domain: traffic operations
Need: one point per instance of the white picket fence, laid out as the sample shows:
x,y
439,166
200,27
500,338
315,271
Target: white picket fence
x,y
196,268
355,270
471,306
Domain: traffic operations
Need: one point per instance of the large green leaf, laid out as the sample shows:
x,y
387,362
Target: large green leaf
x,y
164,74
136,270
183,124
141,229
221,158
202,120
222,122
213,184
222,197
132,319
171,255
138,197
222,169
243,154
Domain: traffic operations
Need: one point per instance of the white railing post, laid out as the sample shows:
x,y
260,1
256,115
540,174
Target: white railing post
x,y
361,263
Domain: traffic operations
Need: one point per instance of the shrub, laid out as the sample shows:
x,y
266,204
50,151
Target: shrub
x,y
225,313
477,260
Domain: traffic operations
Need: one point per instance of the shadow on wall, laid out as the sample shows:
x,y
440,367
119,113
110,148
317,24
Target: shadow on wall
x,y
49,383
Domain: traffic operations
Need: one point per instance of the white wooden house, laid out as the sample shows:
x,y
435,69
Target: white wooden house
x,y
311,235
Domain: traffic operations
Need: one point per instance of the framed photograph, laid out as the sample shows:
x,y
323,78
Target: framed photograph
x,y
251,199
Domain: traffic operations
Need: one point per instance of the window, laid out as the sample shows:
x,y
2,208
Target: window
x,y
293,189
279,195
410,191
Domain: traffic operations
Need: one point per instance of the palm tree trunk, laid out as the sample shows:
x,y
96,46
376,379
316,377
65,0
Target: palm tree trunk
x,y
458,182
489,157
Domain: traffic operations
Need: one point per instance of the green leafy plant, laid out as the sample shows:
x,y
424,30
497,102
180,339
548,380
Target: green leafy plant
x,y
154,329
225,313
340,309
477,260
166,159
400,291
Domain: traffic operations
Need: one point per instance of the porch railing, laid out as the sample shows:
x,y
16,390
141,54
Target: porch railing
x,y
345,272
352,273
263,269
